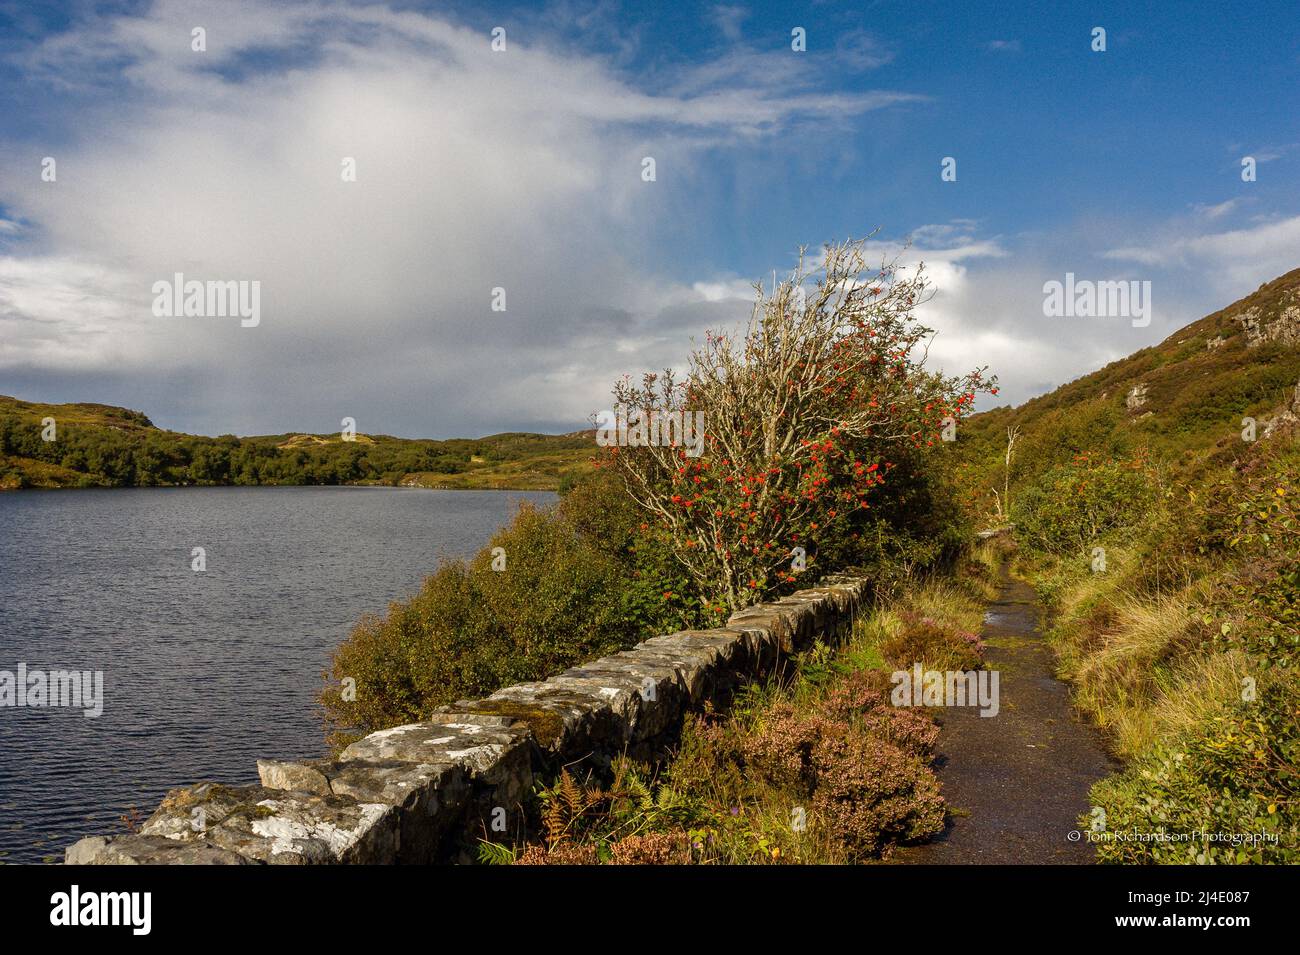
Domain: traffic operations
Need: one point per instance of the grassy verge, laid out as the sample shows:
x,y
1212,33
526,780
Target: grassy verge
x,y
1192,676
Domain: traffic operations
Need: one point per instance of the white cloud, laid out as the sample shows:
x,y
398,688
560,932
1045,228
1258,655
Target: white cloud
x,y
728,18
859,50
66,314
475,170
1218,210
1232,262
1273,153
723,291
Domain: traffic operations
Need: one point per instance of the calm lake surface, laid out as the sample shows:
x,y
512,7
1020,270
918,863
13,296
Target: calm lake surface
x,y
203,672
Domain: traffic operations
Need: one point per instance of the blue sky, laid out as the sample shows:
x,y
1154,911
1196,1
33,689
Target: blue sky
x,y
520,170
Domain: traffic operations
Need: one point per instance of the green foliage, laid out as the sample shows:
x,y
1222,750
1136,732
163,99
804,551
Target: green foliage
x,y
575,586
656,591
1077,506
1259,519
101,446
1236,775
1202,537
492,853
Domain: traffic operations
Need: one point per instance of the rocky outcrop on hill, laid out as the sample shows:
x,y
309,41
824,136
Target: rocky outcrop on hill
x,y
1287,418
1281,326
1136,397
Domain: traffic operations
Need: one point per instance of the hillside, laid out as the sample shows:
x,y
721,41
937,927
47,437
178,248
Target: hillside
x,y
99,445
1186,395
1154,506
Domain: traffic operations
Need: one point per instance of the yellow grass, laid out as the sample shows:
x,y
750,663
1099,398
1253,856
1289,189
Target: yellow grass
x,y
1146,676
1188,696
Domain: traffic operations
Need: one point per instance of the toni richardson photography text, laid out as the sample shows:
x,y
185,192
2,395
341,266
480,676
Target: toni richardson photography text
x,y
727,438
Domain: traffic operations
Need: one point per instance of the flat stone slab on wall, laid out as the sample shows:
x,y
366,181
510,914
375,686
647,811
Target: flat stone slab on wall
x,y
423,792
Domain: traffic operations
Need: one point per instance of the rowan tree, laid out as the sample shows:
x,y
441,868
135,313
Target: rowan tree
x,y
806,411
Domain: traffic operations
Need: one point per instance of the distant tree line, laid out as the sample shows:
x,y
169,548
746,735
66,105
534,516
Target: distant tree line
x,y
134,456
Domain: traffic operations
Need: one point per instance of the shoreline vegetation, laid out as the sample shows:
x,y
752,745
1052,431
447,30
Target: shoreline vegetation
x,y
94,445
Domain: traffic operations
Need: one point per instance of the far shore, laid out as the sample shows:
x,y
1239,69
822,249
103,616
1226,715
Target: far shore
x,y
405,485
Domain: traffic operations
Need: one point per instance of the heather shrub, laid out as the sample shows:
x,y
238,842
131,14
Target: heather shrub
x,y
856,694
655,848
567,854
871,794
866,792
911,731
864,696
780,750
934,643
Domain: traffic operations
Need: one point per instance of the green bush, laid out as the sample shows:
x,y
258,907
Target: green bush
x,y
1236,775
575,586
1259,517
1073,507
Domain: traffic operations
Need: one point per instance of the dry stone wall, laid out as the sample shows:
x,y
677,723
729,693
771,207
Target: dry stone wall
x,y
426,792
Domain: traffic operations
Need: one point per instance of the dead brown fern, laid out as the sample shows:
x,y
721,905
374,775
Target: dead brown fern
x,y
566,805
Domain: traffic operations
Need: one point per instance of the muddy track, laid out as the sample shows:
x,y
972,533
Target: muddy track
x,y
1016,782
